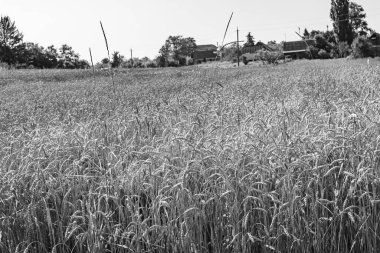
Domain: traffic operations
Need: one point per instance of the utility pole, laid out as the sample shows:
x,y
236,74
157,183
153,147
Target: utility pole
x,y
131,58
237,43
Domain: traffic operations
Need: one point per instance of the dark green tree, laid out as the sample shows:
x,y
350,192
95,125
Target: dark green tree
x,y
117,59
361,47
176,48
250,41
10,40
34,55
188,46
163,58
306,34
105,61
67,58
340,15
357,19
51,54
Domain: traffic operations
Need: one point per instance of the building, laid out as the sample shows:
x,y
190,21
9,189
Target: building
x,y
248,52
375,40
297,49
255,48
204,53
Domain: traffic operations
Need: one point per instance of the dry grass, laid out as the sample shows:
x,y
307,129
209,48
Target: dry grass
x,y
274,159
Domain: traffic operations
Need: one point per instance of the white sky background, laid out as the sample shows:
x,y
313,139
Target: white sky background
x,y
144,25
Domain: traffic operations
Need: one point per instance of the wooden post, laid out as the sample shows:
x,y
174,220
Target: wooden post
x,y
237,42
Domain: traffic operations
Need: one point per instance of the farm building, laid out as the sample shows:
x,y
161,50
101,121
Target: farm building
x,y
255,48
297,49
375,40
248,52
204,53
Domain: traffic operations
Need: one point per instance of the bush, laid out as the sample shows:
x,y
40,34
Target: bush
x,y
312,51
362,47
151,64
182,61
321,43
270,57
172,64
322,54
343,49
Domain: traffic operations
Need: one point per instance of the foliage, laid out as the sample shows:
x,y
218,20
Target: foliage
x,y
357,19
312,52
68,59
343,49
323,54
362,47
306,34
15,52
105,61
269,57
250,41
339,14
229,52
10,40
175,49
117,59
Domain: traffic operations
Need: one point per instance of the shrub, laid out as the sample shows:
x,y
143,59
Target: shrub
x,y
182,61
343,49
151,64
321,43
362,47
322,54
268,56
312,51
172,64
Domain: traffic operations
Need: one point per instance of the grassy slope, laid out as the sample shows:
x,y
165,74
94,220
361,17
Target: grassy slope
x,y
258,159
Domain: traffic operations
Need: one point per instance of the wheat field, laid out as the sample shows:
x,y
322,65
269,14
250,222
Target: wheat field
x,y
254,159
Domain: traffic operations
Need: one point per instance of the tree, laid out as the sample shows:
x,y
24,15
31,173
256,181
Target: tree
x,y
340,15
117,59
105,61
34,55
163,58
188,46
10,40
314,33
250,41
51,54
67,58
306,34
357,19
361,47
176,48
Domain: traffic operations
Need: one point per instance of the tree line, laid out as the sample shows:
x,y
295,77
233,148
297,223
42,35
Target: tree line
x,y
176,51
17,53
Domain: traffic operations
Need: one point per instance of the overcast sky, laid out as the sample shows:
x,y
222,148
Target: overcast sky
x,y
144,25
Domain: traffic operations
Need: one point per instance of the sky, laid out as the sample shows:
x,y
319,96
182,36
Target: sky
x,y
144,25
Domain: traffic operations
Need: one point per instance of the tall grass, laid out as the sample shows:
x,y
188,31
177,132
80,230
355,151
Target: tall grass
x,y
276,159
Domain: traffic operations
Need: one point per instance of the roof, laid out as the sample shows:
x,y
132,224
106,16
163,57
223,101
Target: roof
x,y
374,35
206,47
204,54
375,39
294,51
297,46
255,48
